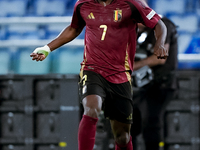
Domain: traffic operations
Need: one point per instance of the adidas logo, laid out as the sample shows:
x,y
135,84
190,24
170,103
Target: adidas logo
x,y
91,16
130,117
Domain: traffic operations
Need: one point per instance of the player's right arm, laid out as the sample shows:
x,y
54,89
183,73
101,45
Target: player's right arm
x,y
67,35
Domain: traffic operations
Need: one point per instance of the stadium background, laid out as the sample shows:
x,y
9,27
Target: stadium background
x,y
35,120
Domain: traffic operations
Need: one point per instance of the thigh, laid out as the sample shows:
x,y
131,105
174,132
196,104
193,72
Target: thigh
x,y
119,128
118,103
91,93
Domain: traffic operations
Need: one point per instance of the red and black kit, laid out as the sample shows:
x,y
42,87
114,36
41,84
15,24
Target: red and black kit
x,y
111,33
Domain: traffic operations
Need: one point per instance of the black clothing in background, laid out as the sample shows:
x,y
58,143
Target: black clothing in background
x,y
151,100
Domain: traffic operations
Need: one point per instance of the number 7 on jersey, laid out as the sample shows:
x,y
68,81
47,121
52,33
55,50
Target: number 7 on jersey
x,y
104,31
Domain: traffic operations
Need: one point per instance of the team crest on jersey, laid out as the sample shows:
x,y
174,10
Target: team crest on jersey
x,y
117,15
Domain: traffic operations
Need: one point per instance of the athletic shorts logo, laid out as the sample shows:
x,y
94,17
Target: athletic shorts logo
x,y
117,15
130,117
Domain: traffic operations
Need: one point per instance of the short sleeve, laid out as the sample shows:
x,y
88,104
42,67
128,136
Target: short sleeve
x,y
77,20
144,14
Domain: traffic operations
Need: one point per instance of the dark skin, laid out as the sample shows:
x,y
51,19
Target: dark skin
x,y
151,60
67,35
105,2
92,104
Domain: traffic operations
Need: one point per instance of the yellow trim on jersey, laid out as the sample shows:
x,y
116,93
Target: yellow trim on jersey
x,y
127,67
83,64
81,72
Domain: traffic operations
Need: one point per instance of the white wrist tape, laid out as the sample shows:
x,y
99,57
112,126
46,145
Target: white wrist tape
x,y
43,50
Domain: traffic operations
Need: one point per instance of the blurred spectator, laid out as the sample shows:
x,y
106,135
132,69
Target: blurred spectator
x,y
150,100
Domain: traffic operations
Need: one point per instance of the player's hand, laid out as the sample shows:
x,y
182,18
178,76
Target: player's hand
x,y
161,52
40,53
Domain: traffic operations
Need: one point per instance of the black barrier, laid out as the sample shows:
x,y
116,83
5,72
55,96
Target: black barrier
x,y
42,112
182,117
39,112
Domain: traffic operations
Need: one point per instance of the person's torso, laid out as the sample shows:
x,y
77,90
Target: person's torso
x,y
110,37
164,72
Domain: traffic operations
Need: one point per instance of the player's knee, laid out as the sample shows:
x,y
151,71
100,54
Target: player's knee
x,y
92,112
92,105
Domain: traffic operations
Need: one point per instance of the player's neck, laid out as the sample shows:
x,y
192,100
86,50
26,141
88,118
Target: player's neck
x,y
104,2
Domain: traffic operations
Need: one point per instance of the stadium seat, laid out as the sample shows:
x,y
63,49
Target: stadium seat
x,y
197,5
19,31
189,51
4,61
70,7
10,8
184,40
81,35
186,22
3,32
193,6
194,46
165,6
52,30
71,3
25,64
67,60
50,7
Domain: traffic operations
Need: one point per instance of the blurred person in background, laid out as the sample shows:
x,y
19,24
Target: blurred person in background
x,y
151,100
110,42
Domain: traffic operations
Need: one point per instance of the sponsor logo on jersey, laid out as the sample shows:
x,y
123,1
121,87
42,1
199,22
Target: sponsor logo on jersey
x,y
117,15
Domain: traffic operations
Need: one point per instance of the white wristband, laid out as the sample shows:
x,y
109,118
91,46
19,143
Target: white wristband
x,y
43,50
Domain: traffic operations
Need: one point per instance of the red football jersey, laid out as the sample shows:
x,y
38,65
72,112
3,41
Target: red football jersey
x,y
110,37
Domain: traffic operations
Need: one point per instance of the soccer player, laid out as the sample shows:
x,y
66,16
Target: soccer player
x,y
110,45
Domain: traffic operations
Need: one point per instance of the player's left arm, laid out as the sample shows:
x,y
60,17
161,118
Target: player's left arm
x,y
142,13
150,61
160,34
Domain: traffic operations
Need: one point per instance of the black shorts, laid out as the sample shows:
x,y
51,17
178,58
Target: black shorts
x,y
117,98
